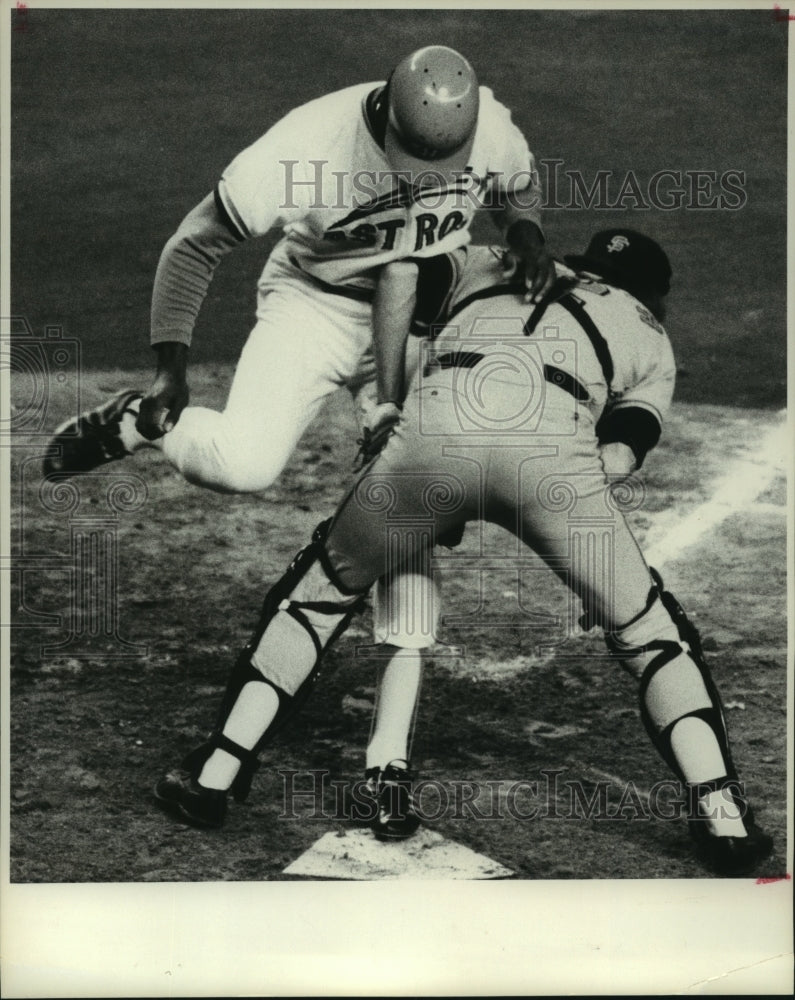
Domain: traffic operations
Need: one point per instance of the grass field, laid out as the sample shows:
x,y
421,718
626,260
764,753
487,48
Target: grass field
x,y
121,121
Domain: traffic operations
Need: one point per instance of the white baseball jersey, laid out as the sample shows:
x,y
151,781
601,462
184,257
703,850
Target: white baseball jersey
x,y
320,174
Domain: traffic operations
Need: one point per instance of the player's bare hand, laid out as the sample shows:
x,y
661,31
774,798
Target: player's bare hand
x,y
539,276
527,259
162,405
379,424
536,269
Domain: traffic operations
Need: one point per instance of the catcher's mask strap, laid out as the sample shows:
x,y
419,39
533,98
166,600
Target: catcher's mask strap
x,y
578,312
559,287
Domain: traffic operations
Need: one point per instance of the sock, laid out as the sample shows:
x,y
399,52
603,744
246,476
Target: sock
x,y
396,703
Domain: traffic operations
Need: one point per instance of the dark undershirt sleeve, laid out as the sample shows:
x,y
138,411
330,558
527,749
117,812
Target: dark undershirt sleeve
x,y
185,270
631,425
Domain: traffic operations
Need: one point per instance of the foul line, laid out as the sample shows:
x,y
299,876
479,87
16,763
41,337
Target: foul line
x,y
744,480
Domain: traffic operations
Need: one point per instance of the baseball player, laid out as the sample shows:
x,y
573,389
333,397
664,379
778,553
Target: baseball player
x,y
375,173
579,384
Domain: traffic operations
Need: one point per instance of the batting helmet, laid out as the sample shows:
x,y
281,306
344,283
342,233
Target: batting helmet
x,y
433,112
626,258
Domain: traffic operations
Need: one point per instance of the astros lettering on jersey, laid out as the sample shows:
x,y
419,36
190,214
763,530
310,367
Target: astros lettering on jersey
x,y
341,224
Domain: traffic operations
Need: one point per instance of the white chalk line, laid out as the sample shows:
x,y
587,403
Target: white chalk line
x,y
745,479
643,794
767,508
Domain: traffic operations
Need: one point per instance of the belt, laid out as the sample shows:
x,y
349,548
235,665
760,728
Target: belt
x,y
553,375
347,291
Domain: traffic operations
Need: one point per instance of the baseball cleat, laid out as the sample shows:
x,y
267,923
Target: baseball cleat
x,y
396,818
92,439
181,794
735,856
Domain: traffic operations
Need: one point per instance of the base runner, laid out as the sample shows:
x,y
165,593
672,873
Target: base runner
x,y
376,173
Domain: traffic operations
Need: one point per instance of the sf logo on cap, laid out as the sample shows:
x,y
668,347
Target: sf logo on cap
x,y
617,243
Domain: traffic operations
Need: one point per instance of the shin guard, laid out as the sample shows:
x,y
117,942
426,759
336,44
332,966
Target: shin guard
x,y
302,615
662,648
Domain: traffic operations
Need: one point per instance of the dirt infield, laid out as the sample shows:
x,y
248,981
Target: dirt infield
x,y
91,733
121,121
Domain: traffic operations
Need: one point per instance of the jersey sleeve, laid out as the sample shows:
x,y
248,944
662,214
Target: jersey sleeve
x,y
655,387
512,160
272,182
635,417
513,164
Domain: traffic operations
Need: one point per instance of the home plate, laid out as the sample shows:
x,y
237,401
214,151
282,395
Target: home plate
x,y
357,855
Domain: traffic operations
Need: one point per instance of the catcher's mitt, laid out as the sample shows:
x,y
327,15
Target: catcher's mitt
x,y
378,428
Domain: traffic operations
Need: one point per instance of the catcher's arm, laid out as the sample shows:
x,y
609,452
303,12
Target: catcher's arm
x,y
393,308
631,424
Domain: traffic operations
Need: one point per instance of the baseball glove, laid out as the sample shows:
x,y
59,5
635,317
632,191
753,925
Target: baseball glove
x,y
379,426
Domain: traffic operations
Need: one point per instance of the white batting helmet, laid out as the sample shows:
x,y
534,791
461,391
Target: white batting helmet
x,y
433,112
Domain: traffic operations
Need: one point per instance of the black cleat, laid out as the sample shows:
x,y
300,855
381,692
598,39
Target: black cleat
x,y
90,440
733,856
396,819
182,795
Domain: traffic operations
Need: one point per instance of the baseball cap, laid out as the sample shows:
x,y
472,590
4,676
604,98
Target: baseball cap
x,y
628,257
433,113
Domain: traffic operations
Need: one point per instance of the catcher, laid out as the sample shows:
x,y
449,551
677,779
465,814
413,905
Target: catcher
x,y
578,385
